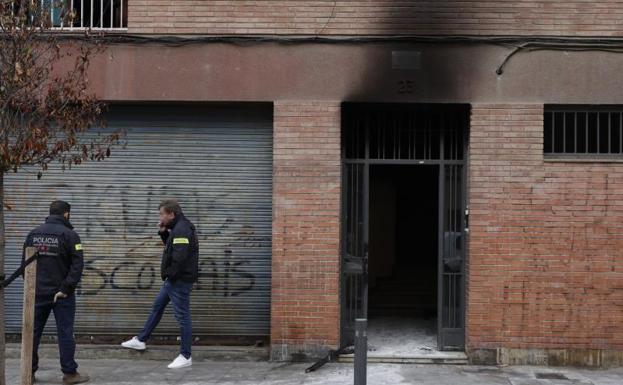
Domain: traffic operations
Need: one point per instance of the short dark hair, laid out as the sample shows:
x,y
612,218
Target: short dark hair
x,y
59,208
171,206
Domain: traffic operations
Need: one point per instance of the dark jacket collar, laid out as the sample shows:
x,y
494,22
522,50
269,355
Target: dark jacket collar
x,y
58,219
175,220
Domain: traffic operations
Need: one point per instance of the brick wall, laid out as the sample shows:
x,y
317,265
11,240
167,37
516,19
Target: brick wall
x,y
306,220
329,17
546,240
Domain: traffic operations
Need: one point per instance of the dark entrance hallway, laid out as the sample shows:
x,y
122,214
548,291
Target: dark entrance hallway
x,y
403,258
403,241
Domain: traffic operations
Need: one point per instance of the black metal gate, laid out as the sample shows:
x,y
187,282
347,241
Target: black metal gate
x,y
405,134
452,226
354,248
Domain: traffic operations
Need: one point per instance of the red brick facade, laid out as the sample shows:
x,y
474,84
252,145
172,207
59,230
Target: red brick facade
x,y
372,17
545,261
306,222
546,240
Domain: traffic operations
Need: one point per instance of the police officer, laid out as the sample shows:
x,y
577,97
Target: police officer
x,y
179,270
59,269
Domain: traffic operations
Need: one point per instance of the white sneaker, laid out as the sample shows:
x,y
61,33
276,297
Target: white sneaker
x,y
134,343
180,362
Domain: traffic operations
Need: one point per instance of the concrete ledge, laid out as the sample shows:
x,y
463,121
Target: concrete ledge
x,y
592,358
297,353
154,352
439,358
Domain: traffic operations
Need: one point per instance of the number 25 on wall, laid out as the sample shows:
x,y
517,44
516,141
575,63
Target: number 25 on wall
x,y
406,86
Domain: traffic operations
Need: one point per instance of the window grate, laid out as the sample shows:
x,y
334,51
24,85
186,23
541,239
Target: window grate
x,y
583,132
404,132
106,15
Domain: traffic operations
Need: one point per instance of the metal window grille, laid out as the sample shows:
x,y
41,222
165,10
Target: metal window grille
x,y
87,14
583,132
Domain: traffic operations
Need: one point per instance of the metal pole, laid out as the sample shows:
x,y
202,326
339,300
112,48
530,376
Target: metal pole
x,y
361,351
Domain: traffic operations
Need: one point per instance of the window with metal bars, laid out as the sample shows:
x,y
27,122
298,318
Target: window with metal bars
x,y
583,132
80,14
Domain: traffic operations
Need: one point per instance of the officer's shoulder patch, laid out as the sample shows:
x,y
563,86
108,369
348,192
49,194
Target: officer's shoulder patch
x,y
78,246
180,241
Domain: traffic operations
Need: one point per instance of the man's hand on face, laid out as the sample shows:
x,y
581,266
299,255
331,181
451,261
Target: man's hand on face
x,y
59,295
161,227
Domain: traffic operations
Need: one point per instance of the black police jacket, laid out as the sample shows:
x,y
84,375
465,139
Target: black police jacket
x,y
180,259
60,263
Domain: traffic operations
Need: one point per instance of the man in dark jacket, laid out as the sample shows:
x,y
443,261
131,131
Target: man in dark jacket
x,y
59,269
179,270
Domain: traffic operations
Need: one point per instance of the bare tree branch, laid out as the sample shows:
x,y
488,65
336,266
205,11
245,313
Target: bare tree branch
x,y
45,106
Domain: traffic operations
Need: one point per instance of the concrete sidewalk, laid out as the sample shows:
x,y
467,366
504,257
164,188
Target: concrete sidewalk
x,y
137,371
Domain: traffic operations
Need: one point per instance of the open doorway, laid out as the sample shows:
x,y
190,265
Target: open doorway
x,y
403,259
404,216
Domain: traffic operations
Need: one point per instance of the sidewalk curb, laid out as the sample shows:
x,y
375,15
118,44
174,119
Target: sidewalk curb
x,y
156,352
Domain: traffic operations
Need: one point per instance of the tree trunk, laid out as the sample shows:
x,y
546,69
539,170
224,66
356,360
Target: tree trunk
x,y
2,335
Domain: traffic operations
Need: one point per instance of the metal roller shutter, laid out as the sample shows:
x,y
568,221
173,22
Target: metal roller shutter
x,y
217,161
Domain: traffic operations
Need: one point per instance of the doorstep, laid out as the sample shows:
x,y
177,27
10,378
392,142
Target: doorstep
x,y
441,358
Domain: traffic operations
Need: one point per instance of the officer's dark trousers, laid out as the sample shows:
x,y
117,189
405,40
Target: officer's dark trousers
x,y
64,313
178,293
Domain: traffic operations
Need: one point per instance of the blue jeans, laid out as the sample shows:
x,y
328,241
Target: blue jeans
x,y
178,293
64,313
